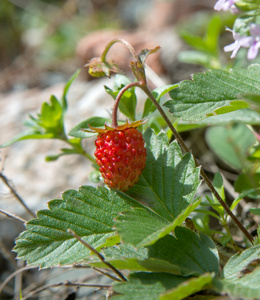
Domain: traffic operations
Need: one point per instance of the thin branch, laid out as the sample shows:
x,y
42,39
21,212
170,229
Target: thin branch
x,y
65,283
13,216
13,275
106,274
6,181
119,274
124,42
34,285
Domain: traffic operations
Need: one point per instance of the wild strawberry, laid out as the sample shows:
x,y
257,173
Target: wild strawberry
x,y
121,155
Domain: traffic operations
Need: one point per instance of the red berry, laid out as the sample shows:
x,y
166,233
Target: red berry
x,y
121,155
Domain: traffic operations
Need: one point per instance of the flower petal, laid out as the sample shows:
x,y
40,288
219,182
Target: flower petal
x,y
218,4
253,51
255,30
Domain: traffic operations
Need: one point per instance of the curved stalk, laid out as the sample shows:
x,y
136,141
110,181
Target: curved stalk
x,y
117,100
128,45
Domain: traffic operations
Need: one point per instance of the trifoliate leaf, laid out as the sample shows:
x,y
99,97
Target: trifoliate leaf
x,y
194,254
141,226
169,181
245,116
89,212
214,92
185,254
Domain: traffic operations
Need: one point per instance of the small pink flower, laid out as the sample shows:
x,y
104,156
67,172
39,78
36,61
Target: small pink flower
x,y
252,42
226,5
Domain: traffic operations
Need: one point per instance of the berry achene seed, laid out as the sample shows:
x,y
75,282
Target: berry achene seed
x,y
121,155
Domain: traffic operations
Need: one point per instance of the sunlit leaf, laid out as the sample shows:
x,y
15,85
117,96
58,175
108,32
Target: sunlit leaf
x,y
214,92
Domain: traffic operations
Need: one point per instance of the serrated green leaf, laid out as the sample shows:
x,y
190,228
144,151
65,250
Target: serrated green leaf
x,y
64,103
242,274
146,286
245,116
188,288
138,226
247,286
93,121
231,143
141,227
169,181
89,212
186,254
238,262
213,92
194,254
51,114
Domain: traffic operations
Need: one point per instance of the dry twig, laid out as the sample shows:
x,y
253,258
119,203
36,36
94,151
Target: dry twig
x,y
119,274
65,283
13,216
6,181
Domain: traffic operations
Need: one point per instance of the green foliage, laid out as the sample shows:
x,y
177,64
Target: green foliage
x,y
213,92
241,274
169,181
206,51
188,288
146,286
142,230
158,257
244,116
79,131
231,143
89,212
49,124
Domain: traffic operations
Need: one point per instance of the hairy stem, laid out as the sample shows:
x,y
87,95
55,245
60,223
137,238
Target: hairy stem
x,y
117,100
129,46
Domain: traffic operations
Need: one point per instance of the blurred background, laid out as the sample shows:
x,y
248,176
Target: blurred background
x,y
42,43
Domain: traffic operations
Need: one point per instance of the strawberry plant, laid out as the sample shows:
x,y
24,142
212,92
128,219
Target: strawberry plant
x,y
147,223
